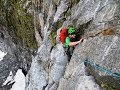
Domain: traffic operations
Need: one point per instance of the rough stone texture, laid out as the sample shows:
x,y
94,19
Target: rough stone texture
x,y
60,60
102,50
87,16
94,15
15,58
36,77
46,72
38,74
60,10
78,79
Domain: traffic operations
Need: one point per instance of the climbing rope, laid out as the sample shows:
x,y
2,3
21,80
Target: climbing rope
x,y
100,68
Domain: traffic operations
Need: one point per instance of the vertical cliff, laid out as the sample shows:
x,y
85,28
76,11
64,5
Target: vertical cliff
x,y
98,22
17,39
30,25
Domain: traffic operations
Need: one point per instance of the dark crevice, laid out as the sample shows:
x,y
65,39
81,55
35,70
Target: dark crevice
x,y
51,48
24,71
45,86
85,25
81,29
39,31
1,35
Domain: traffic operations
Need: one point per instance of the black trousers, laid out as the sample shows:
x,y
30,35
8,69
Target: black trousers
x,y
69,51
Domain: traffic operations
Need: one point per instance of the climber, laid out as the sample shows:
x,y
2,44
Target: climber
x,y
71,42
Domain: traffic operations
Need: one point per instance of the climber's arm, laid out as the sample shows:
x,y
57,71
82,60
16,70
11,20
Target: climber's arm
x,y
75,43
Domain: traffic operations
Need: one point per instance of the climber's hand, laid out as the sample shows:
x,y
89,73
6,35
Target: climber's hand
x,y
81,40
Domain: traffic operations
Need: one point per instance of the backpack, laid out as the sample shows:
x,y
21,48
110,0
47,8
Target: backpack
x,y
63,34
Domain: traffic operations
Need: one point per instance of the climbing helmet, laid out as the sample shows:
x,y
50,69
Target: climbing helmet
x,y
71,30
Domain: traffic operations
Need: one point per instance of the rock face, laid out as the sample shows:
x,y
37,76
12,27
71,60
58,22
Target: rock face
x,y
94,62
17,39
15,58
38,74
103,51
60,61
78,79
46,71
98,22
17,17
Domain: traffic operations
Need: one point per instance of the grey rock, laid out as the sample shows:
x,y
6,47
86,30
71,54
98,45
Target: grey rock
x,y
17,57
60,60
36,77
78,79
103,51
96,14
86,16
49,63
61,9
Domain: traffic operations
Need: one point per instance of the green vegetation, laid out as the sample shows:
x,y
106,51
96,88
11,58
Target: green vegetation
x,y
67,14
59,24
14,15
74,1
2,13
109,83
53,37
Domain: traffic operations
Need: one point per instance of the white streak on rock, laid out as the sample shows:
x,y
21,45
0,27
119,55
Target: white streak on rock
x,y
2,54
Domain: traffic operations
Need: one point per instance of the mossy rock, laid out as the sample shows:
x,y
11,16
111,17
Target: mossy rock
x,y
53,37
19,22
73,2
109,82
